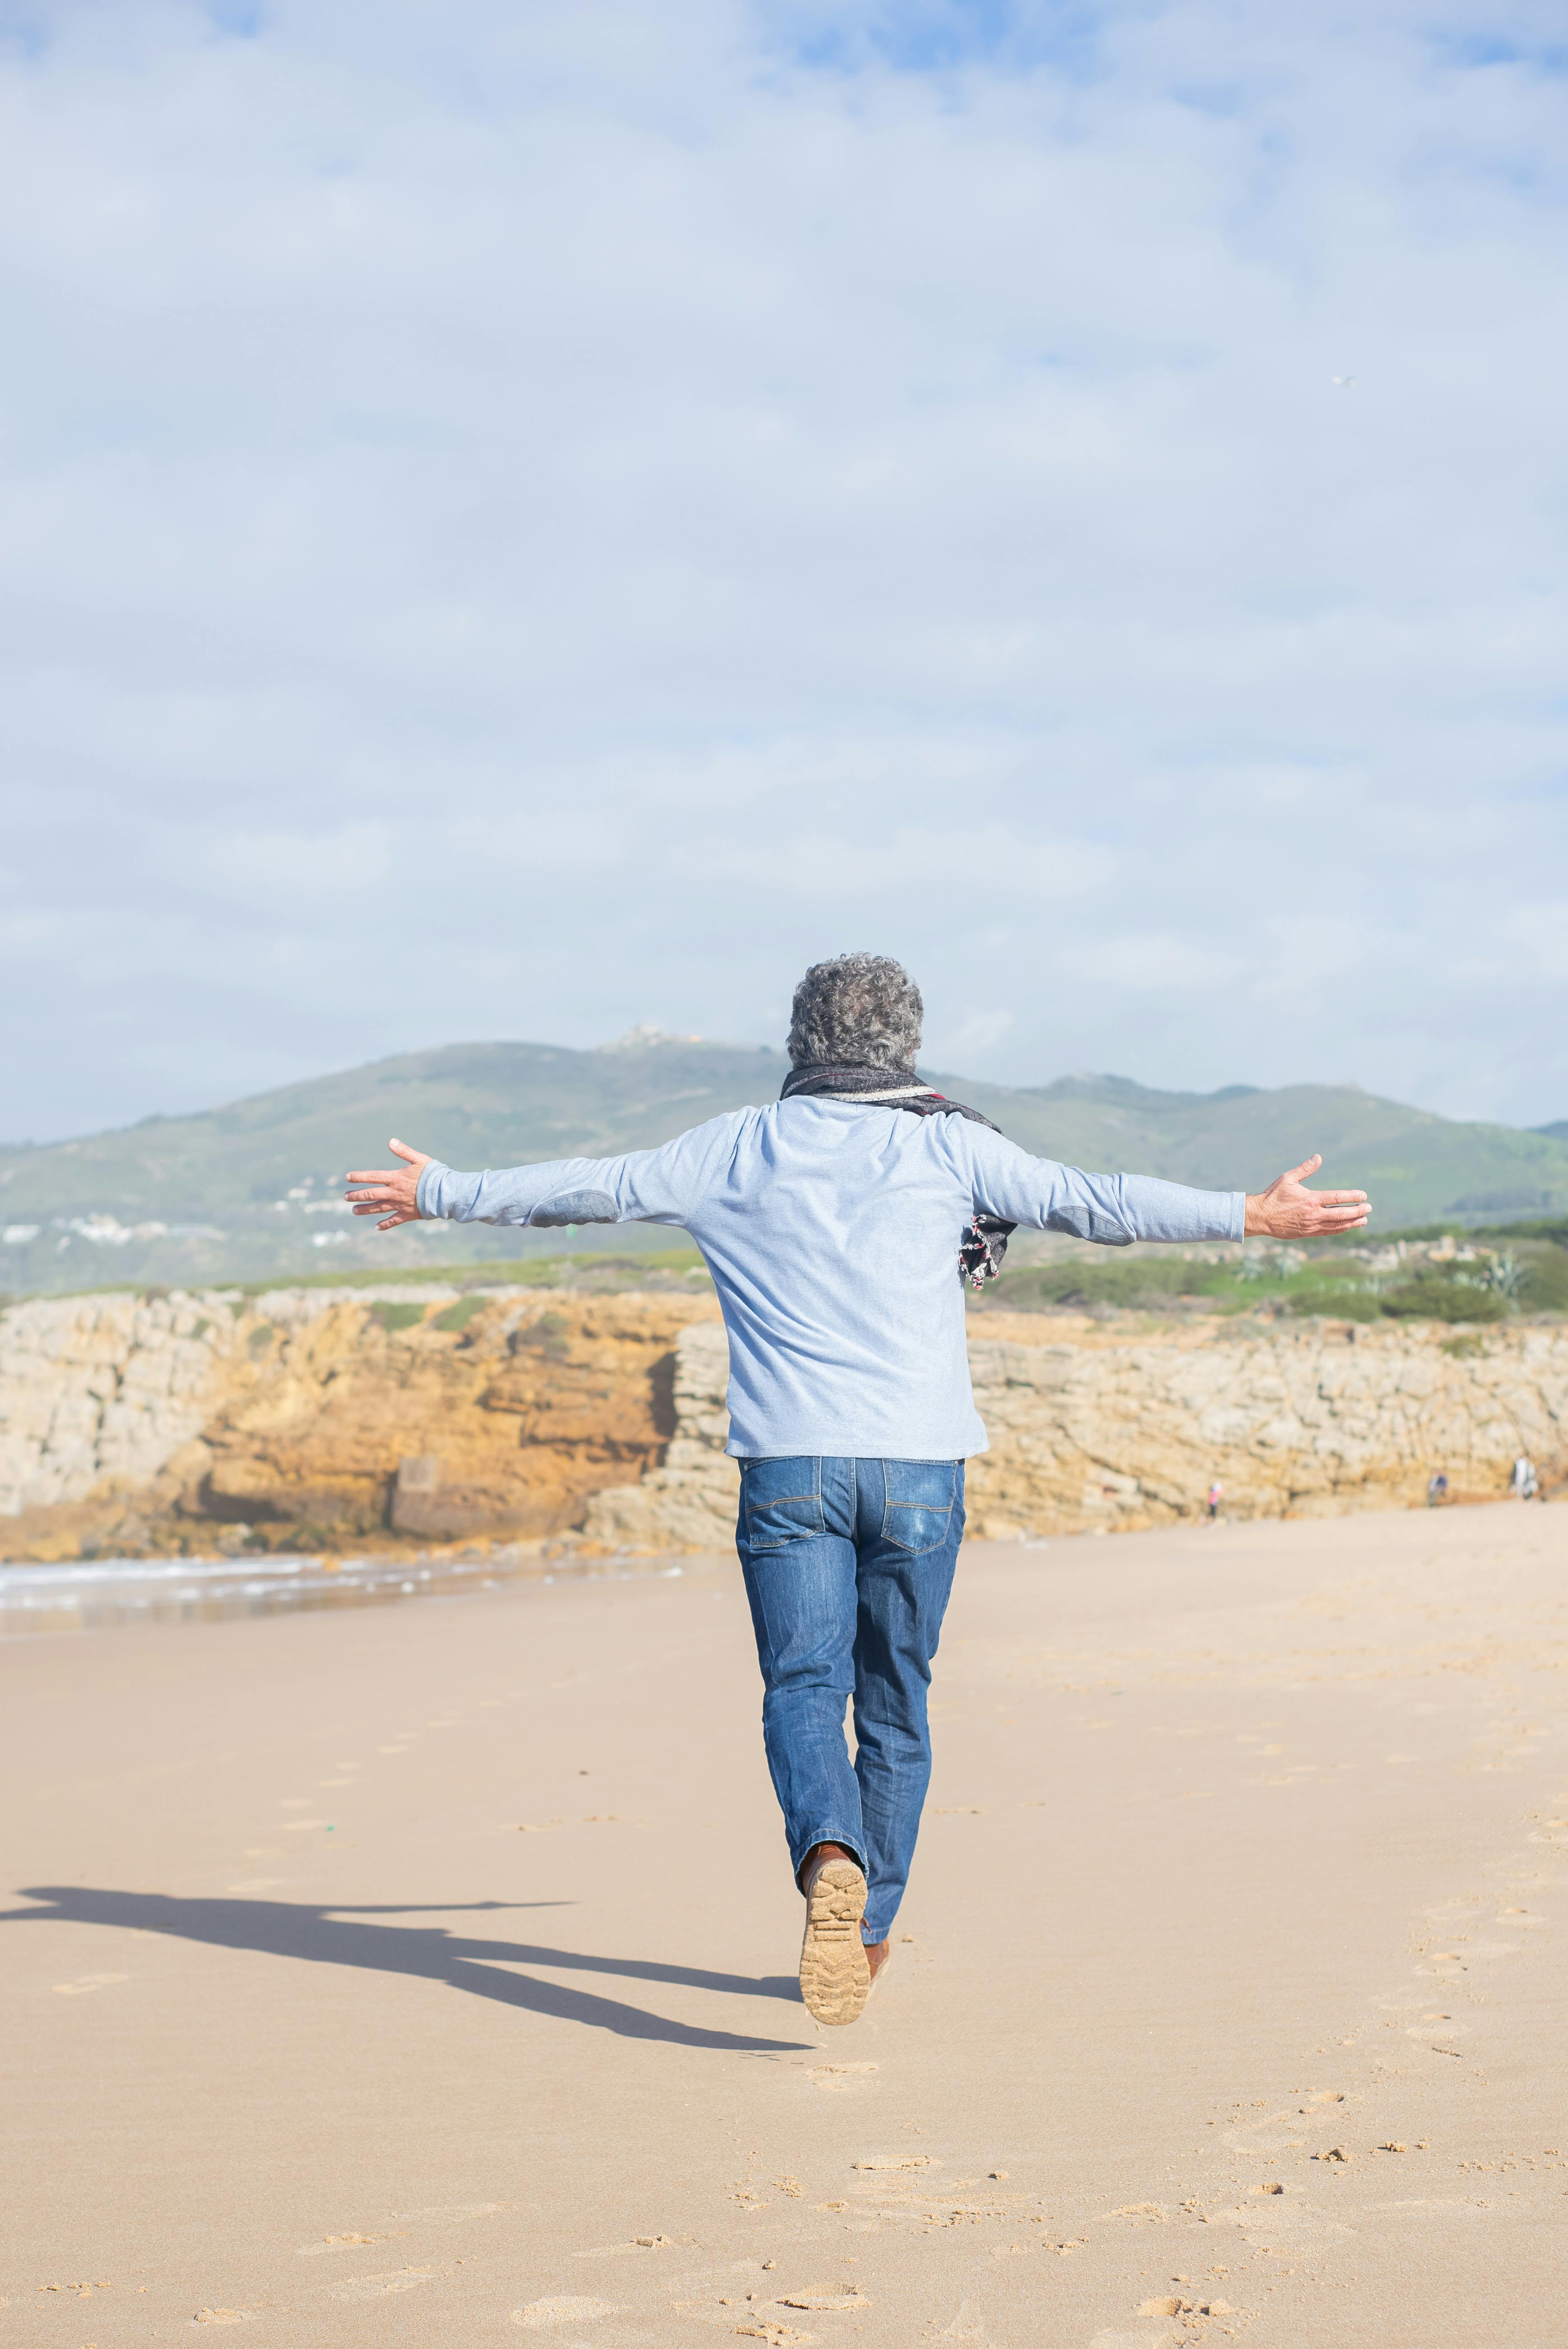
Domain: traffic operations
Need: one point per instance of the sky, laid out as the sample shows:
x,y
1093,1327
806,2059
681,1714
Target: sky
x,y
520,520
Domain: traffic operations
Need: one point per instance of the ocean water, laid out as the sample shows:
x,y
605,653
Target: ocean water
x,y
99,1593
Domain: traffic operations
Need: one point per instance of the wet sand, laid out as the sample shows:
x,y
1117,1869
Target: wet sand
x,y
426,1973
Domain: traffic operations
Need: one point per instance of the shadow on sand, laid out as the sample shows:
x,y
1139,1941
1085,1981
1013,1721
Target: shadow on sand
x,y
323,1936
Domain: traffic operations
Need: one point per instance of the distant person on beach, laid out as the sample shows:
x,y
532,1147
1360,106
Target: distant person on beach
x,y
1526,1485
1216,1494
1437,1490
840,1224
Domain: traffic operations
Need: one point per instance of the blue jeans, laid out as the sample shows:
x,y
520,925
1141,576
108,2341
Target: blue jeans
x,y
848,1566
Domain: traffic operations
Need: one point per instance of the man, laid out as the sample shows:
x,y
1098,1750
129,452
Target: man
x,y
837,1222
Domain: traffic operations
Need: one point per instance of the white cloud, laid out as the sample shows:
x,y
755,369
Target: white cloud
x,y
633,500
1535,943
272,869
1158,961
827,867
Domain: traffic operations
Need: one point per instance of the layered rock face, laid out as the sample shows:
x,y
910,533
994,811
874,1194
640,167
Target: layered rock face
x,y
101,1391
325,1419
689,1501
1092,1430
1095,1429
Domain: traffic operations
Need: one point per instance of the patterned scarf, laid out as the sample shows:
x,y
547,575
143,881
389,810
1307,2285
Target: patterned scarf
x,y
983,1243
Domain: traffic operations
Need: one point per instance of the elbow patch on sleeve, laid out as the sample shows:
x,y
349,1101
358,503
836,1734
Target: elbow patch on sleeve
x,y
1087,1221
575,1208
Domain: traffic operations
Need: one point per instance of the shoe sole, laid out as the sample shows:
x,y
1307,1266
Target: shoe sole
x,y
835,1980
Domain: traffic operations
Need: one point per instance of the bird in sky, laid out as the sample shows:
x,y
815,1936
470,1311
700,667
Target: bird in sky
x,y
1344,381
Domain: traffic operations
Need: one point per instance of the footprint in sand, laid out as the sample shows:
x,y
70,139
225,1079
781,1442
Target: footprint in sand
x,y
343,2242
561,2308
639,2243
449,2210
965,2328
84,1984
840,2076
898,2161
823,2300
381,2287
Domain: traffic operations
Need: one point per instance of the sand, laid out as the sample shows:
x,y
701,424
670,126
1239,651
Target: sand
x,y
424,1973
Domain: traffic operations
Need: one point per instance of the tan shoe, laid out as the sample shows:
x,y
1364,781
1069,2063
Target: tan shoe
x,y
835,1979
879,1957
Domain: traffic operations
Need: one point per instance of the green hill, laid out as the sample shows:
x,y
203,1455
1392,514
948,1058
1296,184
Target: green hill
x,y
251,1191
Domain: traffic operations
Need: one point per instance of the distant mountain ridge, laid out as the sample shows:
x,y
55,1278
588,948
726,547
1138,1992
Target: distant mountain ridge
x,y
251,1190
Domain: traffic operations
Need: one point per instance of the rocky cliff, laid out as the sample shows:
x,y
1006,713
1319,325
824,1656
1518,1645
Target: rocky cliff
x,y
326,1419
1095,1427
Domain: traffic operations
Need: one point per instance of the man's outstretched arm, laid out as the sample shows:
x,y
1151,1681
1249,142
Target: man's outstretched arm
x,y
556,1191
1117,1209
653,1186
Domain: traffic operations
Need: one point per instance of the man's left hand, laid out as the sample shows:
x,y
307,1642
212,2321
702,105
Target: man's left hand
x,y
394,1191
1287,1210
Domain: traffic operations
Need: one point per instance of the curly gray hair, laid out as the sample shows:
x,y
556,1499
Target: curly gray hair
x,y
858,1011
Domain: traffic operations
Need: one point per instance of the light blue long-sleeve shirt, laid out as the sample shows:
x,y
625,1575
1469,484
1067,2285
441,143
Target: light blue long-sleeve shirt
x,y
831,1230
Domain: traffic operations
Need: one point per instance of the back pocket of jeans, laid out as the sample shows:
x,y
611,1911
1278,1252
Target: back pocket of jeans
x,y
782,1500
917,1509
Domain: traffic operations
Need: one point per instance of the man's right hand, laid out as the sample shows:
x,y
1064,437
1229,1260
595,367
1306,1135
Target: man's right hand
x,y
393,1192
1287,1210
